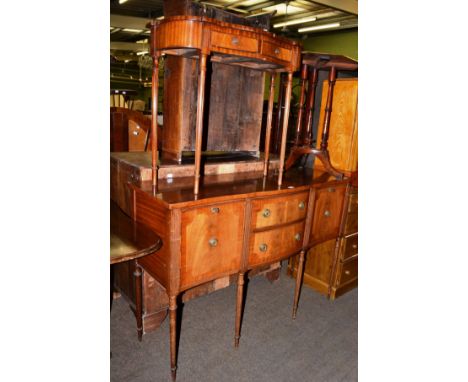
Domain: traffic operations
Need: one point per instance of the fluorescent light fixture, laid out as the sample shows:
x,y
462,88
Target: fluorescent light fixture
x,y
317,27
142,52
132,30
294,22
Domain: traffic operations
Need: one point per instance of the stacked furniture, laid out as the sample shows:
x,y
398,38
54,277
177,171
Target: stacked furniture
x,y
220,218
332,265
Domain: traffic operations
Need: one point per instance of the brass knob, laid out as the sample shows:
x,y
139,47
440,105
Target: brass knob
x,y
213,242
297,236
301,205
327,213
235,41
347,272
215,210
266,212
277,51
263,247
354,246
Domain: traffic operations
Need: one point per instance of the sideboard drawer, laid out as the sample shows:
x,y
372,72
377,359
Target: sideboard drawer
x,y
285,209
211,242
236,42
350,247
268,246
348,271
327,213
276,51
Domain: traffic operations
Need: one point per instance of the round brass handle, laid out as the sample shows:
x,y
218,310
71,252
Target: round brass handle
x,y
297,236
266,212
213,242
277,51
347,272
235,41
354,246
327,213
215,210
301,205
263,247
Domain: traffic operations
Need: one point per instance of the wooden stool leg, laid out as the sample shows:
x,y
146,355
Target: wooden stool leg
x,y
240,301
173,334
300,272
138,302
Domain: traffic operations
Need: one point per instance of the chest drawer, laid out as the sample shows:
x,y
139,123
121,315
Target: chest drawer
x,y
351,225
327,213
353,203
236,42
271,245
347,272
211,242
273,211
276,51
350,247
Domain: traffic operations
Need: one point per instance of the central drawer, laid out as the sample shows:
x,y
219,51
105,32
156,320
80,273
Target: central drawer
x,y
211,242
280,210
236,42
271,245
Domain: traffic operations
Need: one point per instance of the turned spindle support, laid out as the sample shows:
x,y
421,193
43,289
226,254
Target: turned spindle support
x,y
199,124
300,113
268,123
287,104
154,123
312,86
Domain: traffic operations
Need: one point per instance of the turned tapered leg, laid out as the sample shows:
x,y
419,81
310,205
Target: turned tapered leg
x,y
173,334
300,272
138,302
240,301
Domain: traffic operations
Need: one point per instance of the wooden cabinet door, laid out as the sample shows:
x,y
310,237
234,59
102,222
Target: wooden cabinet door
x,y
211,242
327,213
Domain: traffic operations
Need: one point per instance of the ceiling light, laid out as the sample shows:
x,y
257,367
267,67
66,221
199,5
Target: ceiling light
x,y
122,1
317,27
132,30
297,21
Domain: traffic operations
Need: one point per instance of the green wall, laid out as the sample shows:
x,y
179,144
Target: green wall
x,y
343,42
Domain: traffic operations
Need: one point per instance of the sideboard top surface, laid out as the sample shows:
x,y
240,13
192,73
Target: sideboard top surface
x,y
178,192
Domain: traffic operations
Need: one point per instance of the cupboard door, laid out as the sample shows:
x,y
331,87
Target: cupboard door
x,y
327,213
211,242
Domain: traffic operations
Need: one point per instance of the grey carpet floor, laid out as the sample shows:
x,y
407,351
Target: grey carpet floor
x,y
319,346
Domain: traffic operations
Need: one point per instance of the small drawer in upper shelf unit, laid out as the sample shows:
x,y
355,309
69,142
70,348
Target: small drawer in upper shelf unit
x,y
279,210
276,51
232,41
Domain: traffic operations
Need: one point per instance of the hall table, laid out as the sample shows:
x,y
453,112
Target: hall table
x,y
130,241
236,223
